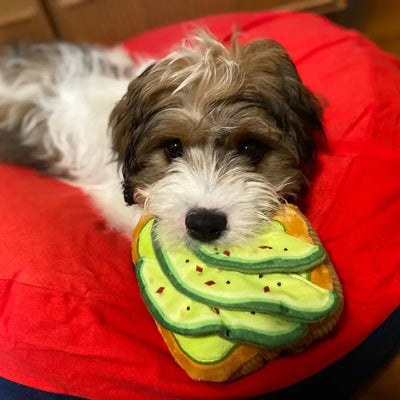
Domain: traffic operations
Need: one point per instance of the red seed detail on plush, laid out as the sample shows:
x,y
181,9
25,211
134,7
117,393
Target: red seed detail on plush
x,y
264,247
209,283
199,269
160,289
266,289
216,310
227,253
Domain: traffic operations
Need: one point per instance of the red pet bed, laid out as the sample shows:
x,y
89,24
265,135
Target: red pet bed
x,y
71,317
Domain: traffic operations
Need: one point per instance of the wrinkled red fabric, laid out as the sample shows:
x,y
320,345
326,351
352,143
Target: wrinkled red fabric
x,y
71,316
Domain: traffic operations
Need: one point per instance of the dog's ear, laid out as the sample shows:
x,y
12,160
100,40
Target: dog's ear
x,y
127,191
126,115
119,123
270,71
124,121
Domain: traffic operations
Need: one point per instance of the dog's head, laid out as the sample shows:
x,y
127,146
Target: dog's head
x,y
211,140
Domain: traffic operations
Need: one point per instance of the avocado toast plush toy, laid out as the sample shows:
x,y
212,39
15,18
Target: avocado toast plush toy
x,y
224,312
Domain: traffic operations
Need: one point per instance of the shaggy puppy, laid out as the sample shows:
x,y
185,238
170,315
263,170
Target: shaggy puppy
x,y
210,140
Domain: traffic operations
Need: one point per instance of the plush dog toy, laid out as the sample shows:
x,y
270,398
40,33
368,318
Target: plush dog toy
x,y
224,312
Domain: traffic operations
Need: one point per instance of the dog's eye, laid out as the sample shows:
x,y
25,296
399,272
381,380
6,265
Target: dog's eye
x,y
173,149
253,149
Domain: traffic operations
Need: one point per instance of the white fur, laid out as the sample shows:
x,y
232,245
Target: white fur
x,y
75,108
201,179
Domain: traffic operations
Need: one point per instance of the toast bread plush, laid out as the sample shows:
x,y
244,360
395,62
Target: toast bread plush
x,y
225,312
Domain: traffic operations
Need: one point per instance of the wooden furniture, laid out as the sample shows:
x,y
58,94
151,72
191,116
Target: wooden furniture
x,y
24,19
111,21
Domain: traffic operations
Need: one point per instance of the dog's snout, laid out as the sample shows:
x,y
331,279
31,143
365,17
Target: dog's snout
x,y
205,225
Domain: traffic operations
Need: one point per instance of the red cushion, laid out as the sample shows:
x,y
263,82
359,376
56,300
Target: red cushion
x,y
71,316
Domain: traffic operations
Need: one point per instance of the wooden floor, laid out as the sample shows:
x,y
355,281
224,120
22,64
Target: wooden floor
x,y
379,20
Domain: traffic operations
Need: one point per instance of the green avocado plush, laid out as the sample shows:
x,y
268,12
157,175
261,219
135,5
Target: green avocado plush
x,y
223,312
186,316
188,296
273,250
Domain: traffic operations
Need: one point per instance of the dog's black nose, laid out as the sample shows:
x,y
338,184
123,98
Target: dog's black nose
x,y
205,225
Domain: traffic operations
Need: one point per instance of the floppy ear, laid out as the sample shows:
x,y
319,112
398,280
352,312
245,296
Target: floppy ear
x,y
124,121
296,110
120,125
128,112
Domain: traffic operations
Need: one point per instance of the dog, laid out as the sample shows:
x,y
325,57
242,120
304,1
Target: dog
x,y
210,140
